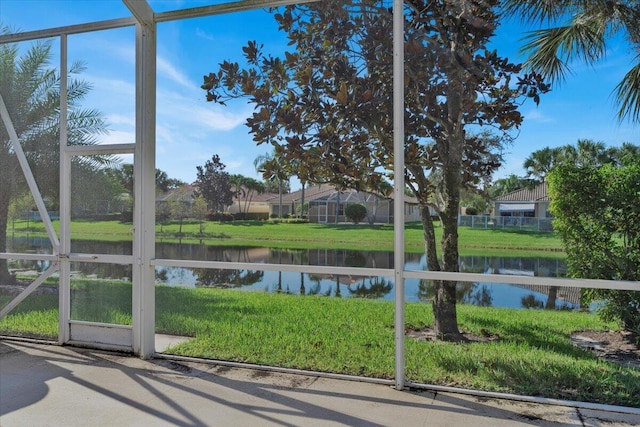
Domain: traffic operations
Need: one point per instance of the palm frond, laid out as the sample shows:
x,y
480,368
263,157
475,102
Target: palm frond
x,y
552,49
627,95
536,11
543,47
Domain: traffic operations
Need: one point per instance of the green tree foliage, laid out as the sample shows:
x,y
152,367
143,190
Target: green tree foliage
x,y
93,191
355,212
327,102
214,184
475,201
31,93
163,214
123,175
541,162
164,183
596,212
20,207
199,212
503,186
580,30
585,153
179,206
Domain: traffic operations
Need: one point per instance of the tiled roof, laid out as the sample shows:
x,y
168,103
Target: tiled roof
x,y
256,197
535,194
311,192
326,192
183,193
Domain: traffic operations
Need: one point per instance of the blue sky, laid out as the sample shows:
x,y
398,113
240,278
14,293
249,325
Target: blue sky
x,y
190,130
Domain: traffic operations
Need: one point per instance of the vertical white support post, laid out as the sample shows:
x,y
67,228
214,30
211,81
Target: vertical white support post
x,y
143,315
64,280
398,186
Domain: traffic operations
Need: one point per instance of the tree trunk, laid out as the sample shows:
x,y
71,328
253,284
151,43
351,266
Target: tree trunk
x,y
280,199
429,240
551,300
302,201
444,303
372,217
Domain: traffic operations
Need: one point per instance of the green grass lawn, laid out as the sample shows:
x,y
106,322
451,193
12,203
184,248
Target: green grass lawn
x,y
532,354
319,236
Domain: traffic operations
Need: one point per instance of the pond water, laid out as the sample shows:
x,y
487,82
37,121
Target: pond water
x,y
478,293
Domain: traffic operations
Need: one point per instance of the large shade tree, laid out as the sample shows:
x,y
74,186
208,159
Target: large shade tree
x,y
214,184
328,102
30,89
581,30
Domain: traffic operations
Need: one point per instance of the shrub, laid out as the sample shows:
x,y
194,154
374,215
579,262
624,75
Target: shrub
x,y
126,216
472,211
596,213
219,216
250,216
355,212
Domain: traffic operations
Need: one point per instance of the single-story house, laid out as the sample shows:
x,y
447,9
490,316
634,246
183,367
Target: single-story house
x,y
244,202
324,204
184,194
525,202
251,202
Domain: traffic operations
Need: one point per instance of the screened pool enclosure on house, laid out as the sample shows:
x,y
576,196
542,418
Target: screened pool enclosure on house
x,y
85,315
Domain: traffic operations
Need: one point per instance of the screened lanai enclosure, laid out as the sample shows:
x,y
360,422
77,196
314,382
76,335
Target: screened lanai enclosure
x,y
85,262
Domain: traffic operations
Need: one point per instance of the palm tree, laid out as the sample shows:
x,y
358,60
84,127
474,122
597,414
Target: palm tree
x,y
252,187
627,153
31,92
589,24
586,153
273,168
239,184
506,185
541,162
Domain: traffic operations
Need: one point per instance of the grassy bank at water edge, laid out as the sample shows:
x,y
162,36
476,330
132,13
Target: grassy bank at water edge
x,y
377,237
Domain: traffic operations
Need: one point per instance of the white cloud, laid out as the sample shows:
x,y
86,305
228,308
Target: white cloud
x,y
119,119
118,137
111,86
204,35
195,116
165,68
538,116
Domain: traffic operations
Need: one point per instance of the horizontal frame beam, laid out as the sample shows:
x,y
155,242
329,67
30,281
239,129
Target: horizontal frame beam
x,y
98,149
219,9
524,280
69,29
28,257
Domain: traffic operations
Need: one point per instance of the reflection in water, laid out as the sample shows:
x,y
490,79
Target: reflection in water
x,y
482,294
226,278
466,293
376,287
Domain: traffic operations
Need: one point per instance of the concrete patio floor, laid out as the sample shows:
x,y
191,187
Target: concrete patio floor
x,y
47,385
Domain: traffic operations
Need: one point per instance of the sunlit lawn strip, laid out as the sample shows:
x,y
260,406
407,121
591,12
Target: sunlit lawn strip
x,y
320,236
532,354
